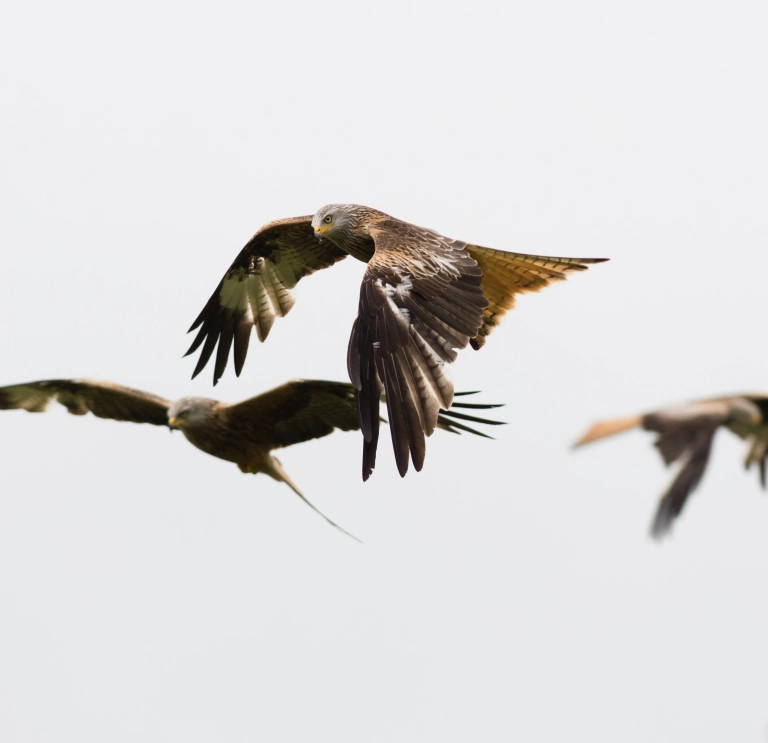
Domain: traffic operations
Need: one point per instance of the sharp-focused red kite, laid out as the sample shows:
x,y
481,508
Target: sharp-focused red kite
x,y
423,297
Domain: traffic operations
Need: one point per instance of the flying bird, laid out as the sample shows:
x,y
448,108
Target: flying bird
x,y
685,434
245,433
423,297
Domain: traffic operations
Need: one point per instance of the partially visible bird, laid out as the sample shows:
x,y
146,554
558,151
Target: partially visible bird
x,y
685,434
423,297
244,433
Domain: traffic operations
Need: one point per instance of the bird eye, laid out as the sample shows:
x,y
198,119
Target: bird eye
x,y
328,219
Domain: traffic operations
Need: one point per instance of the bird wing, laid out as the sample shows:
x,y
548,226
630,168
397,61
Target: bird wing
x,y
678,426
296,411
80,396
685,434
257,288
505,275
303,409
687,479
420,300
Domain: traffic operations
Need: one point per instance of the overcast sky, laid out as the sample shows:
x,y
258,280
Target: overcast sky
x,y
510,590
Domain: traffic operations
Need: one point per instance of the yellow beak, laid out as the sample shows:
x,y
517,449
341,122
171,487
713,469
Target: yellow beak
x,y
321,229
173,422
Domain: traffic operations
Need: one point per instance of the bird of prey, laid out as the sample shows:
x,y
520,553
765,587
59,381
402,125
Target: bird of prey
x,y
244,433
423,297
684,435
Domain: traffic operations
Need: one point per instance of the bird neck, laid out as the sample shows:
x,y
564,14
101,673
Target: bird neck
x,y
358,243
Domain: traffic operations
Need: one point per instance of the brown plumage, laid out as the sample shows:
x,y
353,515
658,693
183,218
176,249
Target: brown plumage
x,y
257,288
244,433
423,297
685,434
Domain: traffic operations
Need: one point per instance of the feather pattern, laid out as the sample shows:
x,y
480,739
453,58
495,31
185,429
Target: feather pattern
x,y
257,289
410,323
505,275
82,396
423,298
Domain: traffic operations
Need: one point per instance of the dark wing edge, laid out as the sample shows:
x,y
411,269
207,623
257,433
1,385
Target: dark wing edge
x,y
81,396
257,289
686,436
687,480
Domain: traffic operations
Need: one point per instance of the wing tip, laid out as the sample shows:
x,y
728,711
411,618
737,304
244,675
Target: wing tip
x,y
661,526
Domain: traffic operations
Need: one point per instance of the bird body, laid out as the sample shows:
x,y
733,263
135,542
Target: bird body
x,y
245,433
205,425
423,298
684,435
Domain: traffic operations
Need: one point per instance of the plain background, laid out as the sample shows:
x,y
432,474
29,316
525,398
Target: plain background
x,y
510,591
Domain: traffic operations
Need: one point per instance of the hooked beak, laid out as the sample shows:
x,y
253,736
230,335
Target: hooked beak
x,y
320,230
173,423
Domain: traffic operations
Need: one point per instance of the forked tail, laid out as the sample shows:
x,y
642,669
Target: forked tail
x,y
445,418
505,275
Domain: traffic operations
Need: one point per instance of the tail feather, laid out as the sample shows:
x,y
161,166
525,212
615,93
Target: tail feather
x,y
601,429
278,473
507,274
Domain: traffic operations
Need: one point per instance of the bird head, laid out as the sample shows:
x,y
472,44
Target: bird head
x,y
745,411
335,218
189,412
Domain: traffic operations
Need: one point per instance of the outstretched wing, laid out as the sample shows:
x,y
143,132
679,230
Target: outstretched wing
x,y
296,411
80,396
257,288
505,275
304,409
420,301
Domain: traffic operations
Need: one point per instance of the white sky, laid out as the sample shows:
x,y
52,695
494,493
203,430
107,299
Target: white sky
x,y
509,591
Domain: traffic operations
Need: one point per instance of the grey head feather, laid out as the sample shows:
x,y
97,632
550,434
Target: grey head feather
x,y
345,225
194,411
